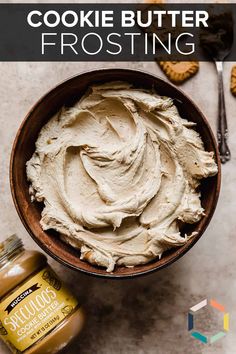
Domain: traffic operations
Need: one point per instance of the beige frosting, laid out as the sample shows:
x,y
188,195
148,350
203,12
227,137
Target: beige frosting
x,y
117,172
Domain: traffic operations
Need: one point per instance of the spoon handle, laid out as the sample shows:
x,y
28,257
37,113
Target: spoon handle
x,y
222,127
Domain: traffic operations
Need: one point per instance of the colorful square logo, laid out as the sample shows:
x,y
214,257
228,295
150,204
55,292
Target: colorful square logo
x,y
200,336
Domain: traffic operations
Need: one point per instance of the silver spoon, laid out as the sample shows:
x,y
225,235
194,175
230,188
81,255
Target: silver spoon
x,y
222,126
217,40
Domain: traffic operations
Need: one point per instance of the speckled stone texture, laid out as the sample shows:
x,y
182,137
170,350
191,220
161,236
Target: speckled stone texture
x,y
147,315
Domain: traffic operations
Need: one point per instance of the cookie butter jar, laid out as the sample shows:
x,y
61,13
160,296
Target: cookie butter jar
x,y
38,315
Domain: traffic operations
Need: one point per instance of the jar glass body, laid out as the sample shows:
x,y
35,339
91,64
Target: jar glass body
x,y
30,295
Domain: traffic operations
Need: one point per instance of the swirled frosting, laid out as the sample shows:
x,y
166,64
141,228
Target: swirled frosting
x,y
117,173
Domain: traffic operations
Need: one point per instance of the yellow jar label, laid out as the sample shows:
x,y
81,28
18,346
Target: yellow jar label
x,y
34,309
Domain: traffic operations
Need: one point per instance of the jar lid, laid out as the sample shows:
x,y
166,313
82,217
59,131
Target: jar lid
x,y
9,248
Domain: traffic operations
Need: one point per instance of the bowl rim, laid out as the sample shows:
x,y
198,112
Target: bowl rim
x,y
44,247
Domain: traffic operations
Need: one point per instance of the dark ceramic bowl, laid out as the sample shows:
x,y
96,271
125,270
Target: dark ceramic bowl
x,y
68,93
